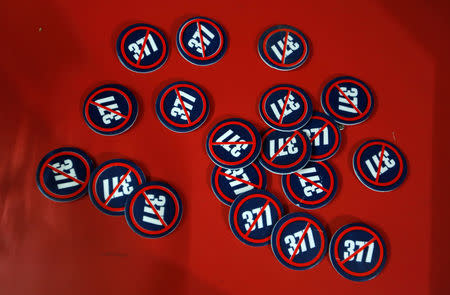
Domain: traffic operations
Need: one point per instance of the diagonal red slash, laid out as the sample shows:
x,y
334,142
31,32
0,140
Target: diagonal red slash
x,y
284,107
117,187
284,49
143,47
201,38
318,132
283,146
300,241
154,210
65,174
257,217
348,99
381,162
232,142
182,104
359,250
108,109
238,179
312,182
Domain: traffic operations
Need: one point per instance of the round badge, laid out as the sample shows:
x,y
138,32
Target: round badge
x,y
285,107
233,143
324,136
284,152
311,187
63,174
228,184
142,48
283,47
253,215
182,107
112,183
380,165
201,41
357,252
299,241
153,210
110,109
347,100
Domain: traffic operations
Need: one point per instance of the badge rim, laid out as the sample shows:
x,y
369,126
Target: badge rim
x,y
217,191
120,40
303,38
276,232
375,271
133,109
91,186
250,158
89,170
176,221
298,124
262,194
219,53
370,101
337,133
392,184
318,203
302,161
200,120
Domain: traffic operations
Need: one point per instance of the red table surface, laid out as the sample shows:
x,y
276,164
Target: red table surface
x,y
400,48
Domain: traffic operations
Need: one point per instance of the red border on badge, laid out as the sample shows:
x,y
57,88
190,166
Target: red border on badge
x,y
97,175
383,144
302,156
176,87
198,20
303,201
219,172
88,104
361,114
165,228
322,242
236,211
253,144
290,89
302,39
336,135
83,186
338,260
148,29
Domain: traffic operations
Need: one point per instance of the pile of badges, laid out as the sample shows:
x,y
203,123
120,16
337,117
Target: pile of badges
x,y
116,187
296,146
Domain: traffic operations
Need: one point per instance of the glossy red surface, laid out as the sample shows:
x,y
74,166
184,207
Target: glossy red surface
x,y
55,52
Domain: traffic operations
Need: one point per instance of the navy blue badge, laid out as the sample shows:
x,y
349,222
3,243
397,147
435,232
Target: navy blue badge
x,y
284,152
324,136
112,183
63,174
154,210
285,107
299,241
110,109
357,252
201,41
347,100
182,106
136,56
283,47
380,165
311,187
233,143
253,215
228,184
